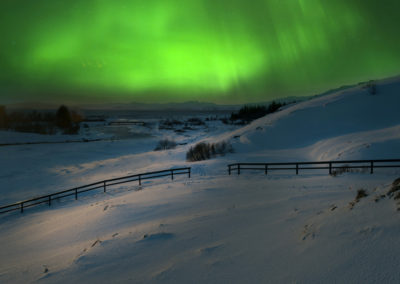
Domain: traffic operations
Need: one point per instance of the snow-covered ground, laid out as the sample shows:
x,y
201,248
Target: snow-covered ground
x,y
215,228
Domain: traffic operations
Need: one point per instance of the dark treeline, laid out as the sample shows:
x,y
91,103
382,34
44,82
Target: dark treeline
x,y
42,122
249,113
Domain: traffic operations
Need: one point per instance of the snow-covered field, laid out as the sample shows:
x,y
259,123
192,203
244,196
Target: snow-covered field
x,y
215,228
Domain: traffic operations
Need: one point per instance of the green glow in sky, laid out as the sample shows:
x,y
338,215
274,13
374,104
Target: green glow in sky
x,y
179,50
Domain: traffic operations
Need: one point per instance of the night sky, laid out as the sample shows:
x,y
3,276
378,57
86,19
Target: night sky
x,y
225,51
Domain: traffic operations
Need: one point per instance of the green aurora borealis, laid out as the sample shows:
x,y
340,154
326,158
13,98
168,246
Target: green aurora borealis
x,y
180,50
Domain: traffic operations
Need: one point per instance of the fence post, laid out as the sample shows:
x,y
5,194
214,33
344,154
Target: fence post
x,y
104,186
76,194
297,169
266,169
238,169
330,168
49,200
229,169
172,174
22,207
140,179
190,169
372,167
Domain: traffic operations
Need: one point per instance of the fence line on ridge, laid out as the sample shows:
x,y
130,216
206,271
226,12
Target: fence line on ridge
x,y
328,165
22,205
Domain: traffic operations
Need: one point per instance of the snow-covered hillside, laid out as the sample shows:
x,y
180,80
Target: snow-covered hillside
x,y
337,126
215,228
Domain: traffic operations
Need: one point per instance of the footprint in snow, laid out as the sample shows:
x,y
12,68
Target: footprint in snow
x,y
96,242
79,256
368,230
308,232
158,236
231,207
211,249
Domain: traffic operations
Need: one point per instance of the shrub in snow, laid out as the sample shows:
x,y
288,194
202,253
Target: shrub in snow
x,y
165,144
224,120
361,193
347,169
341,170
195,121
395,191
395,188
205,151
169,124
370,87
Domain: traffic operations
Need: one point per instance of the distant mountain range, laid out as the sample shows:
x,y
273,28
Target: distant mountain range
x,y
190,105
178,106
187,106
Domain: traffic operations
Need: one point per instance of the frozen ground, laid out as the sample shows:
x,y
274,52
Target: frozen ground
x,y
215,228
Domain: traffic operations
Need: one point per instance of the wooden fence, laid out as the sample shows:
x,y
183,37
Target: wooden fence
x,y
104,184
332,166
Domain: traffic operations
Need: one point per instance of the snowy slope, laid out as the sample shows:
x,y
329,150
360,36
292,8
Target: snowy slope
x,y
334,120
215,228
293,229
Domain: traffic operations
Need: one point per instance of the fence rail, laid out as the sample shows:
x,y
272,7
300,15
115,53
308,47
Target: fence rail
x,y
325,165
22,205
